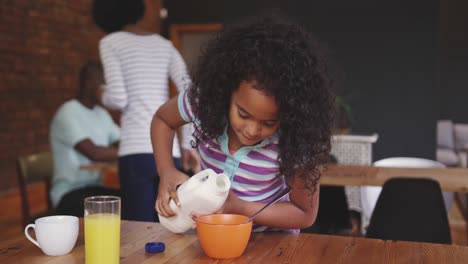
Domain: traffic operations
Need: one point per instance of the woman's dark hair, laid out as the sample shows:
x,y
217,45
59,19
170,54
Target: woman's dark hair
x,y
286,63
113,15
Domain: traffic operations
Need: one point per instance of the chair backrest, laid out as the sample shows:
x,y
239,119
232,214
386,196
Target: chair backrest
x,y
370,194
34,168
411,210
461,136
445,134
411,162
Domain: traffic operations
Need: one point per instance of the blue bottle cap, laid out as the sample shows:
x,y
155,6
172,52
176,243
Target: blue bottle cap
x,y
155,247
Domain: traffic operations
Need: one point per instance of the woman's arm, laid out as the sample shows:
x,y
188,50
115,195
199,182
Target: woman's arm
x,y
115,94
165,121
299,212
178,71
95,152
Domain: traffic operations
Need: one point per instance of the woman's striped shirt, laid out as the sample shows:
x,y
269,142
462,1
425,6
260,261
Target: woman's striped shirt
x,y
137,69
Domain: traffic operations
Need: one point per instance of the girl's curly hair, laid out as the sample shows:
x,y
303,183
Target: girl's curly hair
x,y
285,61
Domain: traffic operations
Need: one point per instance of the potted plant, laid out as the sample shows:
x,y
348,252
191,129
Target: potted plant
x,y
343,116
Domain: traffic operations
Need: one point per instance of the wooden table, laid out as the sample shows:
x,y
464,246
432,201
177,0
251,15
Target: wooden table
x,y
101,166
450,179
262,248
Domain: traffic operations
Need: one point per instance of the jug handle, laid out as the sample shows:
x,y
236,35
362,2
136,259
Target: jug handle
x,y
197,178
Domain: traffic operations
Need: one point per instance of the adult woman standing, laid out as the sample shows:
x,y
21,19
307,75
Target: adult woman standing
x,y
137,64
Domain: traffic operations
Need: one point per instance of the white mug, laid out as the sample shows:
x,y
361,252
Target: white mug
x,y
56,235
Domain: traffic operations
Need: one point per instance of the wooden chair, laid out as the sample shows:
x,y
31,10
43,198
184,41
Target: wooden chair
x,y
34,168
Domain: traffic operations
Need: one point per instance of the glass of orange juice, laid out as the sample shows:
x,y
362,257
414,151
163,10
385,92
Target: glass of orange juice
x,y
102,229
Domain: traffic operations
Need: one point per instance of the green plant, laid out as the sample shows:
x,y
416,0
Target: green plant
x,y
343,114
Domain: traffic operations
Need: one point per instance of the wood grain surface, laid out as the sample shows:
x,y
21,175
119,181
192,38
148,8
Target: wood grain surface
x,y
262,248
450,179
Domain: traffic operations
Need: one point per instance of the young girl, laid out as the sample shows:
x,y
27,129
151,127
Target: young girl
x,y
262,108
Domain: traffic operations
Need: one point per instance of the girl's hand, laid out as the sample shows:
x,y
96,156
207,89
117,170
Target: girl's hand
x,y
194,215
168,190
232,202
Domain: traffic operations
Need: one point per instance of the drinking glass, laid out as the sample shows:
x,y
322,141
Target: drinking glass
x,y
102,229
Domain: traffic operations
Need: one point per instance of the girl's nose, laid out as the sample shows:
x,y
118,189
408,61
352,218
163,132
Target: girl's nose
x,y
253,130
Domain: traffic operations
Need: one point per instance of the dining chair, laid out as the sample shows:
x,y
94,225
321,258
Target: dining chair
x,y
410,209
370,194
445,151
452,150
34,168
460,131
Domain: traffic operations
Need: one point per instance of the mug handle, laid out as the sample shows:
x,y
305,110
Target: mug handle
x,y
33,226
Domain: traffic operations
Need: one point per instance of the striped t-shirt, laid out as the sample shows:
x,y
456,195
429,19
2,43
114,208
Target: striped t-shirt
x,y
137,69
253,170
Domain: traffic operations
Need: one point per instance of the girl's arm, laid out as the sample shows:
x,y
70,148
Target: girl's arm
x,y
178,74
165,121
299,212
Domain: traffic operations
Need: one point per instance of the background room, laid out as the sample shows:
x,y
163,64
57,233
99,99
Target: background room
x,y
403,67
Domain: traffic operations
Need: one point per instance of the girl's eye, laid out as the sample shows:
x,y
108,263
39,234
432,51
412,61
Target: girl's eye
x,y
269,124
243,115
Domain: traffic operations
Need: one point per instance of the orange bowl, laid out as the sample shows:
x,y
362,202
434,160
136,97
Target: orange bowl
x,y
223,235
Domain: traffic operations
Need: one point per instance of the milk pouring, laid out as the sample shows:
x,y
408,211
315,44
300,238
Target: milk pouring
x,y
204,193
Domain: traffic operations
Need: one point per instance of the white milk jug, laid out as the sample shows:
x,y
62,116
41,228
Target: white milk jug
x,y
204,193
